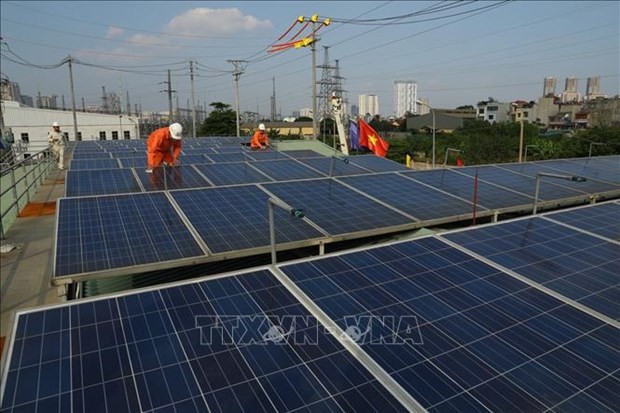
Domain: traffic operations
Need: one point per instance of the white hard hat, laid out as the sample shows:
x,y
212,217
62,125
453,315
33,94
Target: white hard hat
x,y
261,126
175,130
55,124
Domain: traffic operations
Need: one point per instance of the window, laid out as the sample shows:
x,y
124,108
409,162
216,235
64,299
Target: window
x,y
79,138
491,117
126,134
102,135
65,136
25,138
525,114
492,108
114,135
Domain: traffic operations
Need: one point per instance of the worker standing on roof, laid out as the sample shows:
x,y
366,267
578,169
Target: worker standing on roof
x,y
164,145
260,139
56,141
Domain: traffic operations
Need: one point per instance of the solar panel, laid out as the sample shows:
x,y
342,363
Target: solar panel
x,y
336,208
228,157
100,182
587,167
302,153
286,169
207,346
97,233
550,189
267,155
376,163
236,218
417,200
581,267
601,219
232,173
91,155
592,185
488,195
179,177
460,335
83,164
337,167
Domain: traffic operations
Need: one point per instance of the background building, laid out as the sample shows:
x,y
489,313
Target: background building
x,y
549,86
570,93
405,96
368,105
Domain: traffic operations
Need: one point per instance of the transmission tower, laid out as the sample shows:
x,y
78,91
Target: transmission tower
x,y
326,87
339,88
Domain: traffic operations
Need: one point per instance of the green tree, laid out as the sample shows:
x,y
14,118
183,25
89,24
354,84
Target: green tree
x,y
222,121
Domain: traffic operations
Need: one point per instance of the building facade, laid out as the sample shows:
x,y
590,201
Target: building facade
x,y
368,105
30,126
405,97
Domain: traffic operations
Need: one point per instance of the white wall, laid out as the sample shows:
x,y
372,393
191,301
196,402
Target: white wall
x,y
37,123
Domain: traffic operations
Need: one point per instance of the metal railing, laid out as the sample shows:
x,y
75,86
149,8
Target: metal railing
x,y
22,178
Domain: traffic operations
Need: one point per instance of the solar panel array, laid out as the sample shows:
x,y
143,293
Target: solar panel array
x,y
342,200
442,323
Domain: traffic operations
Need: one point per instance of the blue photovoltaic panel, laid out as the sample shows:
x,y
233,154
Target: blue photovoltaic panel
x,y
409,196
100,182
137,161
587,169
337,166
264,155
577,265
232,173
302,153
230,149
84,164
197,151
460,335
99,233
488,195
199,347
336,208
236,218
589,186
376,163
228,157
549,188
91,155
286,169
600,219
178,177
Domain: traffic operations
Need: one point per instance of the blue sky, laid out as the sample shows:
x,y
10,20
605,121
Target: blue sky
x,y
503,52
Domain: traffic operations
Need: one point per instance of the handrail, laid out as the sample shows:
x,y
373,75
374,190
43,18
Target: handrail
x,y
42,161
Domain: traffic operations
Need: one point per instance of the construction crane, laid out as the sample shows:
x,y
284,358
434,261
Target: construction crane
x,y
336,102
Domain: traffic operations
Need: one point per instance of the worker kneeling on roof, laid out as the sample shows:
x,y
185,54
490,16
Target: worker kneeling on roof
x,y
260,139
164,145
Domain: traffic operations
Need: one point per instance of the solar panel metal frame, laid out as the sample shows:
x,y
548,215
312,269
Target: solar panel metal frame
x,y
386,384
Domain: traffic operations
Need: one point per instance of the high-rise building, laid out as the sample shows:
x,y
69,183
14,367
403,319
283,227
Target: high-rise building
x,y
549,87
354,110
368,104
570,93
405,96
593,86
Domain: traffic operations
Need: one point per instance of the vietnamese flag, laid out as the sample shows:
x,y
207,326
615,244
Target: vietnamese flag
x,y
371,139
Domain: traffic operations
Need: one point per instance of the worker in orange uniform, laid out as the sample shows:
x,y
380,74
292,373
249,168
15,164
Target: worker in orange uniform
x,y
260,139
159,145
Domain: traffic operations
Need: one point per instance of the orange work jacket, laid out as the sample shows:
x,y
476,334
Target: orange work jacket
x,y
159,144
259,139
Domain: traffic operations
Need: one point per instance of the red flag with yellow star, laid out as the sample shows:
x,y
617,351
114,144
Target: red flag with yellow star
x,y
371,139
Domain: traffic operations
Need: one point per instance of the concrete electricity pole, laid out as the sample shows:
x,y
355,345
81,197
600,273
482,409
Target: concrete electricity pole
x,y
169,91
75,126
191,77
236,75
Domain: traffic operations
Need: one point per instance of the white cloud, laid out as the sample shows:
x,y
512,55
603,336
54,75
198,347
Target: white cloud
x,y
212,22
114,32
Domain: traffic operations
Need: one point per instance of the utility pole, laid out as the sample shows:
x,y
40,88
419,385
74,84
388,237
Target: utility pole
x,y
75,126
83,106
191,77
521,141
169,91
236,75
105,100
